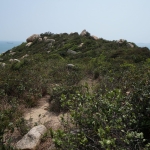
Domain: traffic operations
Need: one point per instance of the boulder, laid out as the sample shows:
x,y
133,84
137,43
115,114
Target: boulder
x,y
40,39
50,40
120,41
14,60
32,139
71,52
32,38
28,44
84,32
94,37
45,38
81,45
130,45
2,64
49,45
70,66
26,55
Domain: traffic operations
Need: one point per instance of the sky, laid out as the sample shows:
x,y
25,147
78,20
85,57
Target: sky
x,y
107,19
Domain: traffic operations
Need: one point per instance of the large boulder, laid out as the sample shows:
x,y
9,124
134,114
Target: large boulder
x,y
32,139
32,38
84,32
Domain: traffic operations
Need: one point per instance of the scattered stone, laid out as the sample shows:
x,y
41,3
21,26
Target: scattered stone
x,y
71,52
32,139
32,38
28,44
130,45
95,37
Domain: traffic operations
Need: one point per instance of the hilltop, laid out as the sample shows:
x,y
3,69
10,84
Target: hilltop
x,y
102,85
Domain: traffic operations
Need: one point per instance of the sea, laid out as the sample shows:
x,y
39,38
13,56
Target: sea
x,y
7,45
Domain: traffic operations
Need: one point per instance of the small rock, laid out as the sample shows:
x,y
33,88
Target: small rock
x,y
71,52
32,139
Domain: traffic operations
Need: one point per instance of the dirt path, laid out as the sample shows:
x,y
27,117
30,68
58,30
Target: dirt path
x,y
42,115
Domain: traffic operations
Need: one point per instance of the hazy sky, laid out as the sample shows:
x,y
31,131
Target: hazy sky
x,y
108,19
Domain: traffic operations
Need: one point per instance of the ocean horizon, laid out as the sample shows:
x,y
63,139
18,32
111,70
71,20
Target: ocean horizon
x,y
7,45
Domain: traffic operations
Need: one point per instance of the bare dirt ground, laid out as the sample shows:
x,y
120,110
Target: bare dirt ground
x,y
41,114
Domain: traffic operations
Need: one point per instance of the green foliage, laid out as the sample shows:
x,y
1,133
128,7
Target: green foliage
x,y
114,116
101,121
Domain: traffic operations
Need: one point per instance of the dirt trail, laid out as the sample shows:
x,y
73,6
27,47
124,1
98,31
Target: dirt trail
x,y
42,115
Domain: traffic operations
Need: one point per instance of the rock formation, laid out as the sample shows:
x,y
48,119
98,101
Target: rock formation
x,y
32,38
32,139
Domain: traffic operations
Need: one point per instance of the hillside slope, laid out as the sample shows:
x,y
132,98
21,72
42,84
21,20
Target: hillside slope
x,y
113,115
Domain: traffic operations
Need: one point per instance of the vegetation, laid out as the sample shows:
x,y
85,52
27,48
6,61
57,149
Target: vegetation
x,y
113,115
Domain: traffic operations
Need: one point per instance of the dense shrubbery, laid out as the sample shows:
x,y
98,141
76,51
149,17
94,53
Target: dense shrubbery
x,y
114,116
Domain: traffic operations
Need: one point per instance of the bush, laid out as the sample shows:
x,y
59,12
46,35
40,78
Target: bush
x,y
101,121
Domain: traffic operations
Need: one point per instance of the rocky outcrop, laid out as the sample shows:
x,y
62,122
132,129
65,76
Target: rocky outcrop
x,y
32,139
84,32
32,38
28,44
